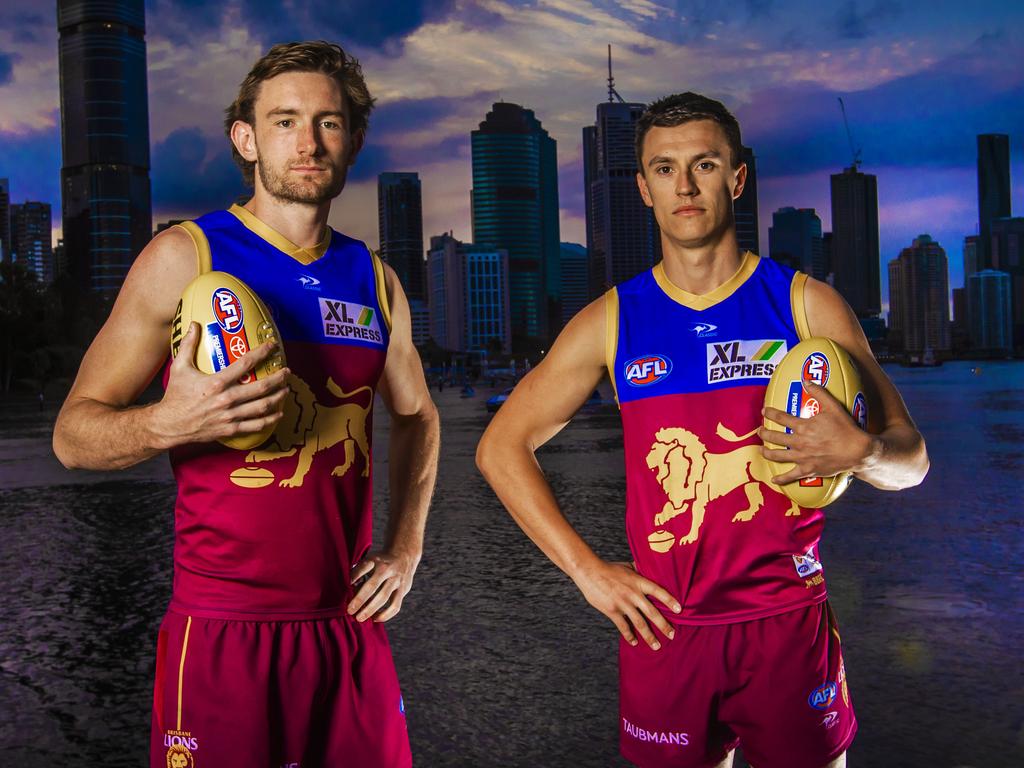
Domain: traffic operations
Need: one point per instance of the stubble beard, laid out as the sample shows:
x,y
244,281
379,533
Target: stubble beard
x,y
310,192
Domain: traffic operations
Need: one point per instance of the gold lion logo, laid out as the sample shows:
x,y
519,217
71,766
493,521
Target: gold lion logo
x,y
692,477
178,756
307,428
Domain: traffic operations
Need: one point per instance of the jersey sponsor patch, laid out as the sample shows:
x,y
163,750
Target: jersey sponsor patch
x,y
347,320
646,370
806,564
744,359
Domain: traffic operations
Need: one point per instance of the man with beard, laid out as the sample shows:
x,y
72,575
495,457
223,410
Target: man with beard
x,y
273,650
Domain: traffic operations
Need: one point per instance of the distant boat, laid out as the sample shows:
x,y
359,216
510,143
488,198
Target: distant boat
x,y
925,360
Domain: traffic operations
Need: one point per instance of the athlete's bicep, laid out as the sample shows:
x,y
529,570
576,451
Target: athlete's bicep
x,y
402,385
829,316
135,339
548,396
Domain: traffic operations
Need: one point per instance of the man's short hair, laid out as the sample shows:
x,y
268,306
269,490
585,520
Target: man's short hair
x,y
686,107
313,56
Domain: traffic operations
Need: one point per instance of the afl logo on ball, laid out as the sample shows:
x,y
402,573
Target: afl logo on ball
x,y
860,410
816,369
647,370
227,309
822,696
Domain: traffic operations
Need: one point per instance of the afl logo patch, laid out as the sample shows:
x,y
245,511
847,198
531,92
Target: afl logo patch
x,y
227,309
821,698
860,410
816,369
647,370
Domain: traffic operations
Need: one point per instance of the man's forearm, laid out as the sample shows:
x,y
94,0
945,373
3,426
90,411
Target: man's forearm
x,y
412,470
897,459
93,435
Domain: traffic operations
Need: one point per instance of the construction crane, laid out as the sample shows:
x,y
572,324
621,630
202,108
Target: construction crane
x,y
612,93
855,152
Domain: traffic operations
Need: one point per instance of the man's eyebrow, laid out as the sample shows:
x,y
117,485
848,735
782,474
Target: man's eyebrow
x,y
289,111
659,159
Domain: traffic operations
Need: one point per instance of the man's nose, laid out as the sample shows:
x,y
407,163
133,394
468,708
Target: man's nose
x,y
308,140
686,185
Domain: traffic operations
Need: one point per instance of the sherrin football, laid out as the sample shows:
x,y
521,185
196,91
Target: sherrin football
x,y
232,320
823,362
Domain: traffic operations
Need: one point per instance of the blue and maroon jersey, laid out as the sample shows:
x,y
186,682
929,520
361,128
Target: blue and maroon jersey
x,y
274,532
690,372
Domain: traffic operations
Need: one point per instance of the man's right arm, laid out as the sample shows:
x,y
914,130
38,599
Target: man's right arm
x,y
536,411
99,427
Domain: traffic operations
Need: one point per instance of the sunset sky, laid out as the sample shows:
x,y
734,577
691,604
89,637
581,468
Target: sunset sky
x,y
920,79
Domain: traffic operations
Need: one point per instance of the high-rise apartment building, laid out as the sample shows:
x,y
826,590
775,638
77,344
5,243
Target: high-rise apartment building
x,y
990,312
855,250
469,295
107,216
32,238
993,190
795,239
1007,249
575,290
5,220
515,209
400,225
919,297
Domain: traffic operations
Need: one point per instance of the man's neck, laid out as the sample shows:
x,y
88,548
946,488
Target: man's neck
x,y
302,223
700,270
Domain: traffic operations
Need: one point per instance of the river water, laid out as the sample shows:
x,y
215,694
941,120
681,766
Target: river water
x,y
501,660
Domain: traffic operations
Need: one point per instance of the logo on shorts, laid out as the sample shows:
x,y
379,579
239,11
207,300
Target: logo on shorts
x,y
806,564
744,359
227,309
821,698
676,738
816,369
703,330
830,719
647,370
401,705
180,746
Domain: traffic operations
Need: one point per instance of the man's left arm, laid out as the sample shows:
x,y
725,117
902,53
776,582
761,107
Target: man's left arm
x,y
891,455
412,468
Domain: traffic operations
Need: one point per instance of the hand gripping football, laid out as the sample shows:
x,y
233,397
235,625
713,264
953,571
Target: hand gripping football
x,y
819,361
232,320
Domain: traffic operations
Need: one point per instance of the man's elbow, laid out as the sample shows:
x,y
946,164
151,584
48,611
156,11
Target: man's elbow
x,y
61,449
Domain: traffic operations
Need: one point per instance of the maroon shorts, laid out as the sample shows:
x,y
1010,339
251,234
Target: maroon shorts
x,y
273,694
775,686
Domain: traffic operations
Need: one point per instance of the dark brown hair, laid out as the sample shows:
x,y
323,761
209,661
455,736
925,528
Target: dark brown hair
x,y
314,56
682,108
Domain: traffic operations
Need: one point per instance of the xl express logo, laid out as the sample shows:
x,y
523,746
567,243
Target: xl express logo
x,y
347,320
744,359
647,370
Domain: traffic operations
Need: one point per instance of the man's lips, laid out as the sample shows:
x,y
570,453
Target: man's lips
x,y
688,210
307,168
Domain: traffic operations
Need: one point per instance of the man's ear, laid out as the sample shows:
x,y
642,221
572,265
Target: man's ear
x,y
645,193
243,136
741,181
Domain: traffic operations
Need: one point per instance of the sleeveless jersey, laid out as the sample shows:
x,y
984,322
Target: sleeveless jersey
x,y
273,533
690,372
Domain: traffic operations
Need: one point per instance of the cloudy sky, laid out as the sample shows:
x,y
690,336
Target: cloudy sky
x,y
920,79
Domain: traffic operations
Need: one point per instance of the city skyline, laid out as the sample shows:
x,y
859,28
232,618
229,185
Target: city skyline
x,y
550,58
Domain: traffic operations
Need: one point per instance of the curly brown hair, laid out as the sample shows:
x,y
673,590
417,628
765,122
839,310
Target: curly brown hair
x,y
312,56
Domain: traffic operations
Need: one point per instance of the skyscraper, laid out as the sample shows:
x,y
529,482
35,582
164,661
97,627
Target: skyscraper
x,y
970,256
993,189
400,224
622,235
745,208
988,306
854,253
575,290
105,138
795,239
1007,251
515,208
469,295
919,297
32,239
